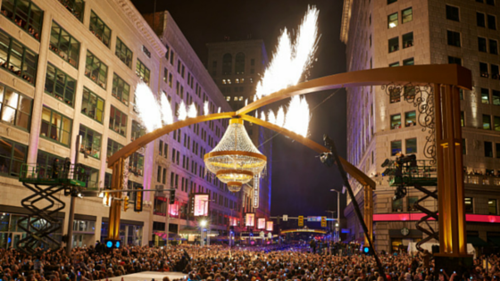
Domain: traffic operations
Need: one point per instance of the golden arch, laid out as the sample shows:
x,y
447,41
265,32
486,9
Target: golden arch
x,y
448,137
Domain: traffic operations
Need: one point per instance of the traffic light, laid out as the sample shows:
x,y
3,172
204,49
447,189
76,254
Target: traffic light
x,y
323,221
172,197
301,221
138,199
125,203
107,199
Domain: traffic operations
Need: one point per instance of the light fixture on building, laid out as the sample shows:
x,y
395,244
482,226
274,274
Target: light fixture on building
x,y
235,160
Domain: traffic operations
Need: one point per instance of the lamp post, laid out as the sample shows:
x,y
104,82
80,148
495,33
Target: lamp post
x,y
338,214
203,224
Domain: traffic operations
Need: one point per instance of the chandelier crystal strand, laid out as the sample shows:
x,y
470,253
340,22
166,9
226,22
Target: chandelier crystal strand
x,y
235,160
256,190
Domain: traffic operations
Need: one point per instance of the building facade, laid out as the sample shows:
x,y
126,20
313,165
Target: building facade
x,y
394,33
236,67
69,69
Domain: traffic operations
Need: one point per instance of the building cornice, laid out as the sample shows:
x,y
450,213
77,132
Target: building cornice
x,y
346,18
140,23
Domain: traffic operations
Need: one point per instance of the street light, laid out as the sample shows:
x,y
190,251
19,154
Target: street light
x,y
338,213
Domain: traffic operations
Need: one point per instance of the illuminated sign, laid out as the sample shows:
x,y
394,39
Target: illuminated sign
x,y
303,230
249,219
270,226
261,223
201,205
233,221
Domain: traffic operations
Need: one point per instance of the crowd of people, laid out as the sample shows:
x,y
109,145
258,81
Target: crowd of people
x,y
225,263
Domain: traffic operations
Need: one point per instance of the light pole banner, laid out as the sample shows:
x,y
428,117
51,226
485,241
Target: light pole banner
x,y
249,219
201,205
270,226
261,223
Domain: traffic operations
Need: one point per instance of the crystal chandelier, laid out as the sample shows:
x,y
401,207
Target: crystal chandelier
x,y
235,160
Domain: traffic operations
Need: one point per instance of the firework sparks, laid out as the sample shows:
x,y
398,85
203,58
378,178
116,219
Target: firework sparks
x,y
148,107
290,62
298,116
206,111
166,111
280,117
182,112
192,112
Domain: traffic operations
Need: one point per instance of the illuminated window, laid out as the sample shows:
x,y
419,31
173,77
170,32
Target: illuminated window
x,y
251,80
462,118
237,81
121,89
492,206
92,105
410,119
411,146
235,98
485,96
118,121
229,81
241,98
392,20
395,147
99,28
395,94
407,15
394,64
56,126
224,81
96,70
407,40
25,14
395,121
91,142
486,122
142,71
496,125
496,97
228,98
15,108
242,80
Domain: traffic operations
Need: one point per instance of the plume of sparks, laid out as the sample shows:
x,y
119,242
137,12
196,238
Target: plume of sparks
x,y
218,111
182,112
298,116
280,117
166,111
206,111
262,116
290,61
148,107
272,117
192,112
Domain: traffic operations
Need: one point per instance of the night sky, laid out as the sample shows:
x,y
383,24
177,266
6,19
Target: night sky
x,y
301,184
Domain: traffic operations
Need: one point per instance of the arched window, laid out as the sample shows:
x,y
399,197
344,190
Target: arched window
x,y
227,64
239,66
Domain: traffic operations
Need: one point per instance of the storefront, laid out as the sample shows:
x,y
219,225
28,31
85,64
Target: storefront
x,y
83,230
130,231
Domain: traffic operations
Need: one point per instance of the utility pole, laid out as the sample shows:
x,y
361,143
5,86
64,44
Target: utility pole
x,y
338,213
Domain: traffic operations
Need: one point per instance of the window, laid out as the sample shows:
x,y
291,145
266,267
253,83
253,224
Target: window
x,y
395,121
164,176
239,66
93,176
91,142
462,119
146,51
407,40
118,121
395,147
496,124
409,61
454,60
411,146
64,45
397,205
18,59
469,208
56,126
453,38
409,93
411,203
483,69
59,85
76,7
137,130
391,1
12,156
452,13
410,119
407,15
121,89
113,147
142,71
227,64
488,149
492,22
492,206
490,2
493,46
464,147
480,19
392,20
92,105
24,14
15,108
395,64
393,44
495,97
99,28
494,71
497,147
486,122
158,174
481,43
123,52
485,96
45,162
395,95
136,164
96,70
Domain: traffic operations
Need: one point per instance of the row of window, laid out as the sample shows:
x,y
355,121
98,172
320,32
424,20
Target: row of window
x,y
17,58
492,71
407,42
410,120
410,146
406,16
398,205
488,149
482,20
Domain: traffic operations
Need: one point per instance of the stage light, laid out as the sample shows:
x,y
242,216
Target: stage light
x,y
387,162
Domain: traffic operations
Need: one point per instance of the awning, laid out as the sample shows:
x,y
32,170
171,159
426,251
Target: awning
x,y
476,241
495,240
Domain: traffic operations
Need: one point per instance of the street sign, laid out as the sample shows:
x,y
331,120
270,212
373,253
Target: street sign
x,y
285,217
323,221
301,221
313,219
